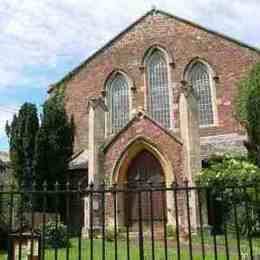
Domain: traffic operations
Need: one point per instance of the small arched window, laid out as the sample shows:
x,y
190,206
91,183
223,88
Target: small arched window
x,y
200,78
118,102
158,100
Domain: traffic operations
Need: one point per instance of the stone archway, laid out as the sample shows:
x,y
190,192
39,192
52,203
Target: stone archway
x,y
137,145
123,167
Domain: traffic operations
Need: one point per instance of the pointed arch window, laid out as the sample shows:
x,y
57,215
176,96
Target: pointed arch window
x,y
200,78
118,102
158,88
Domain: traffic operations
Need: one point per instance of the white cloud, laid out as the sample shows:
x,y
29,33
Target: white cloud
x,y
39,33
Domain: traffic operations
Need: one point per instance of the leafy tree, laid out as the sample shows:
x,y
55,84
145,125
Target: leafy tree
x,y
22,134
54,143
248,111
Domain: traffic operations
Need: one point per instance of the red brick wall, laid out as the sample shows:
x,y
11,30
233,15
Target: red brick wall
x,y
170,149
183,42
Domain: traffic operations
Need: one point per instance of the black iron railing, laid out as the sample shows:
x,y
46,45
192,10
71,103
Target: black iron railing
x,y
124,221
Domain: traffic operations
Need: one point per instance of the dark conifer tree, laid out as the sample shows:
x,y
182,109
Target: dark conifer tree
x,y
54,144
22,134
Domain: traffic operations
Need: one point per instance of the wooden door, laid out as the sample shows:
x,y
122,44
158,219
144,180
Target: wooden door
x,y
144,170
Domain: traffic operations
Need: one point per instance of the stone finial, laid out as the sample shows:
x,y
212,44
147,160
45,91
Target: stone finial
x,y
154,8
138,113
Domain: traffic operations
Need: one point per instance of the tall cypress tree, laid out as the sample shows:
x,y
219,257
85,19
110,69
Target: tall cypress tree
x,y
54,143
22,134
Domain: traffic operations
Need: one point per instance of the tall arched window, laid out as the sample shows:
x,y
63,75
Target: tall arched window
x,y
200,78
158,88
118,102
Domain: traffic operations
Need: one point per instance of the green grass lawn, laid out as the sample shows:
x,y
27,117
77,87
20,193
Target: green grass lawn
x,y
134,250
2,255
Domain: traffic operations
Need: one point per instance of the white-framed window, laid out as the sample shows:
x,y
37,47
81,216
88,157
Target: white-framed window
x,y
158,94
199,75
118,102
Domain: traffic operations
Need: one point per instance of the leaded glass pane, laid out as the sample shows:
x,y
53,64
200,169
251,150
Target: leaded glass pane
x,y
200,80
118,99
158,91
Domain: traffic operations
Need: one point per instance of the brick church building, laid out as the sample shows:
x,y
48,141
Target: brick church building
x,y
153,103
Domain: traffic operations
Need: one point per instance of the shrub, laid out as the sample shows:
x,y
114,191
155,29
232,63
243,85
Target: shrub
x,y
225,172
170,230
228,170
122,229
110,234
55,235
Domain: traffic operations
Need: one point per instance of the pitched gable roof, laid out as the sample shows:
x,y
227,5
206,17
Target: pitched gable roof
x,y
151,12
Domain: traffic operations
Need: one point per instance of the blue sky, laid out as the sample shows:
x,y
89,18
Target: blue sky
x,y
42,40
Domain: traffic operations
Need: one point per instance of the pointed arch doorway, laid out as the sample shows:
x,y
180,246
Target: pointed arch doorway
x,y
143,171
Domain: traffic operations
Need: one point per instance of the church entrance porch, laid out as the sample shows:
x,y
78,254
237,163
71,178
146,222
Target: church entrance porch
x,y
143,173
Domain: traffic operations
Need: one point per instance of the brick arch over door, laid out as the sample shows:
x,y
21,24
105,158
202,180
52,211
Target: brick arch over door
x,y
137,145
